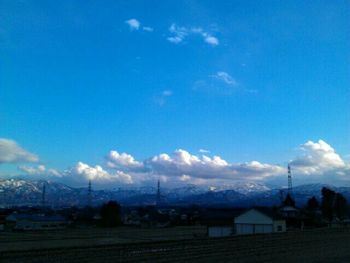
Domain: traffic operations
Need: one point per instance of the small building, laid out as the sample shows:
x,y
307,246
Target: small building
x,y
35,222
289,212
219,221
258,221
220,230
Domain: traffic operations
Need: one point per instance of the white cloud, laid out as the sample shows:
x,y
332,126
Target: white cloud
x,y
11,152
211,40
318,162
182,162
225,77
318,158
178,34
39,170
97,173
203,151
123,161
133,23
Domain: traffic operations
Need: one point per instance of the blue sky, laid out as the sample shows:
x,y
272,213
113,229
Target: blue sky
x,y
244,80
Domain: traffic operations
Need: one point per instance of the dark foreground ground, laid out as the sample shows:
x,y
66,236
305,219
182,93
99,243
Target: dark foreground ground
x,y
322,245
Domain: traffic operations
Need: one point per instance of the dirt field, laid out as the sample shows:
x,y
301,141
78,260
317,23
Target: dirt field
x,y
323,245
94,236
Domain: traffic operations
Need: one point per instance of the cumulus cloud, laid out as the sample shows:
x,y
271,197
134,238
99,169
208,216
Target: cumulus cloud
x,y
318,158
183,163
225,77
203,151
178,34
123,161
211,40
135,24
97,173
11,152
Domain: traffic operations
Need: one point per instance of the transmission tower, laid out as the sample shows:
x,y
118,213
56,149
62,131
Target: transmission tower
x,y
290,186
158,193
89,194
43,195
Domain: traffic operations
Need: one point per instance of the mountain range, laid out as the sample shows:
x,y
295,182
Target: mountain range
x,y
16,192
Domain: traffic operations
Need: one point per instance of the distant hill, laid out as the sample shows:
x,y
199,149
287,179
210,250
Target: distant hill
x,y
14,192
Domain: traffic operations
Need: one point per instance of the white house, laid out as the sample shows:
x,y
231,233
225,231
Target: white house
x,y
256,221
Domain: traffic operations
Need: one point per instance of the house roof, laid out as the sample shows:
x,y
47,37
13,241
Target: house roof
x,y
266,211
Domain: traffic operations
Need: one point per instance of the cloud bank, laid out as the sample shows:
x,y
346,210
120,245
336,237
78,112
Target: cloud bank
x,y
316,162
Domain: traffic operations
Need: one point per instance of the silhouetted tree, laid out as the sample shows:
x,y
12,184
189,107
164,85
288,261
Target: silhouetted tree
x,y
289,201
110,214
340,206
312,204
328,198
333,204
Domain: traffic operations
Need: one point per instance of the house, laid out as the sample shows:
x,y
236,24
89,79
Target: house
x,y
220,229
219,221
18,221
258,221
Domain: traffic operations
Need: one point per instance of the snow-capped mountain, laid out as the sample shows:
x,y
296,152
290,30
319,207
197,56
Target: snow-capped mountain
x,y
244,188
14,192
